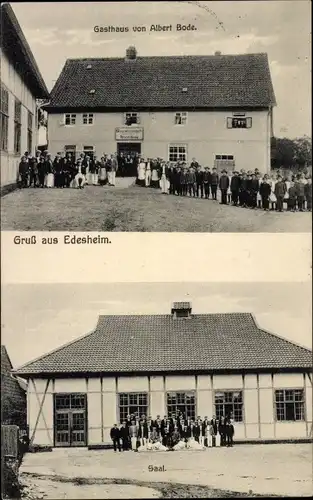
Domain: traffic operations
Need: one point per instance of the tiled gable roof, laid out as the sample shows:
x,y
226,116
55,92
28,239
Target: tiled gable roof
x,y
160,343
219,81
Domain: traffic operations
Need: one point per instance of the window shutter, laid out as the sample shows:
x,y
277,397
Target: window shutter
x,y
229,123
249,122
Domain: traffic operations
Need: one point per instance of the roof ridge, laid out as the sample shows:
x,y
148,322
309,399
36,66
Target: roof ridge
x,y
120,58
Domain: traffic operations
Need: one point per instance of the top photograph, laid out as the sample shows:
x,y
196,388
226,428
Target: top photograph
x,y
188,116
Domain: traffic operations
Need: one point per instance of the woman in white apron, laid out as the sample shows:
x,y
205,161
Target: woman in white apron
x,y
102,172
164,184
258,196
155,178
229,190
141,173
89,175
49,177
148,174
209,435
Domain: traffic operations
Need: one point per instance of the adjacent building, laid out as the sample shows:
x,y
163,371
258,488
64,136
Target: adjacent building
x,y
21,85
216,108
13,394
202,364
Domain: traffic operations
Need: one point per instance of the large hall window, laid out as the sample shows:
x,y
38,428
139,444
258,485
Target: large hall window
x,y
289,404
132,403
177,152
17,126
4,119
30,117
229,404
184,402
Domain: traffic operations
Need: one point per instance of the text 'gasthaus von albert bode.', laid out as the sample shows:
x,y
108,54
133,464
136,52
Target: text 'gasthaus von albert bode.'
x,y
158,28
66,239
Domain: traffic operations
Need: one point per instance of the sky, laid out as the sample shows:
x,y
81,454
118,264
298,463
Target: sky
x,y
57,31
38,318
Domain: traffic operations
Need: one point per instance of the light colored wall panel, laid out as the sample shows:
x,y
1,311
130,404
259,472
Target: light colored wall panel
x,y
157,404
267,431
94,435
94,384
265,380
94,409
289,430
71,385
133,384
204,403
108,384
41,438
227,382
251,381
288,380
109,409
252,431
239,431
39,385
156,383
266,406
180,383
204,382
251,406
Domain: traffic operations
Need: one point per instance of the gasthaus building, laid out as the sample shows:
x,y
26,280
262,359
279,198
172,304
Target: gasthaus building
x,y
216,108
21,85
202,364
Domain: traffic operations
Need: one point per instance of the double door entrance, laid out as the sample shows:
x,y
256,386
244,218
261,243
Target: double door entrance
x,y
70,420
128,150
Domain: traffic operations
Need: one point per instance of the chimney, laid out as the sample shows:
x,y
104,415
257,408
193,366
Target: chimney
x,y
181,310
218,53
131,53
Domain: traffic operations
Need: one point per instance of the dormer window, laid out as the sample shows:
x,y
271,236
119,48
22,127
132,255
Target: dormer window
x,y
131,118
181,310
89,66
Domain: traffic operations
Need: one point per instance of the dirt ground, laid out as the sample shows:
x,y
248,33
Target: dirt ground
x,y
131,208
274,469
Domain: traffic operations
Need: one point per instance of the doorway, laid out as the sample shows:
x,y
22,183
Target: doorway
x,y
70,420
130,151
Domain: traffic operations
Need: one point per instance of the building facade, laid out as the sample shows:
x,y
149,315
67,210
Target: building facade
x,y
202,365
21,85
218,109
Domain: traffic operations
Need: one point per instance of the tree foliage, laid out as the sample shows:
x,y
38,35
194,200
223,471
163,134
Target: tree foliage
x,y
291,153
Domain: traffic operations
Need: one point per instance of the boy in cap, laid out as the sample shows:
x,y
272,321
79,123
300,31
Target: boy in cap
x,y
214,183
224,185
206,182
280,191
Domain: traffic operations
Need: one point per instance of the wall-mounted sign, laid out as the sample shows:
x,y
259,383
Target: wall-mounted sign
x,y
129,134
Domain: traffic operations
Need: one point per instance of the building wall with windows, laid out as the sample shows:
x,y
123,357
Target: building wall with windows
x,y
263,405
18,121
224,138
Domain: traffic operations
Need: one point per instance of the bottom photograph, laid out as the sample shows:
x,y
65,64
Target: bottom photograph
x,y
160,390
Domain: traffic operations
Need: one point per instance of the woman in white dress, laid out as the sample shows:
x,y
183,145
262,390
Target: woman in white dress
x,y
89,174
154,443
288,183
273,198
148,174
209,435
229,190
164,184
141,172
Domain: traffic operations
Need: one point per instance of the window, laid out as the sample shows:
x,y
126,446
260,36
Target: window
x,y
29,131
17,126
177,152
181,118
70,401
130,118
70,149
181,401
88,118
132,403
239,122
89,151
70,119
289,404
229,404
4,119
222,162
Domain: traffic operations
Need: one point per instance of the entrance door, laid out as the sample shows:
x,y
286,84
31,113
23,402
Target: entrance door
x,y
129,151
70,420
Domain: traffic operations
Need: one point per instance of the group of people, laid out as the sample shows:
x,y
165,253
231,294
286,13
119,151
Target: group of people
x,y
172,433
65,171
240,188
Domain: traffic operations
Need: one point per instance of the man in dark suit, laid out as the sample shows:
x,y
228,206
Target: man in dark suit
x,y
199,181
254,190
124,436
234,187
224,185
207,182
214,183
115,436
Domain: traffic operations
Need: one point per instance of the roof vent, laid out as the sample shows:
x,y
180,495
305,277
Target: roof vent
x,y
184,89
181,310
218,53
89,66
131,53
92,91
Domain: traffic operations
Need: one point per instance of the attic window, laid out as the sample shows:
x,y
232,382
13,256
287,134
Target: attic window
x,y
92,91
181,310
89,66
184,89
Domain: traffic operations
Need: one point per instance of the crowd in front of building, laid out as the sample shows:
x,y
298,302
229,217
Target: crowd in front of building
x,y
247,189
172,433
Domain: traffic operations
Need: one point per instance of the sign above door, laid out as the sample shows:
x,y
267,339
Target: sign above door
x,y
129,134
